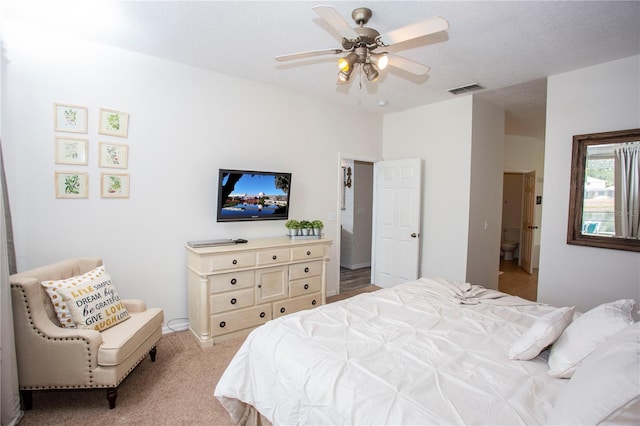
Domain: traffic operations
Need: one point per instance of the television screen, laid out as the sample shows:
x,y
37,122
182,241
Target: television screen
x,y
252,195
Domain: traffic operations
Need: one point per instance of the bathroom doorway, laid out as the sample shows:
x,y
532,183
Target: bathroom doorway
x,y
519,220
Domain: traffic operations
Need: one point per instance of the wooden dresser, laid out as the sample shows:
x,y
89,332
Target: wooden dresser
x,y
235,288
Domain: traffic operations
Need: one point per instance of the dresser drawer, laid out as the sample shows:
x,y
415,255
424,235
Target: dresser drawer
x,y
237,320
307,252
270,257
296,304
231,300
303,270
231,281
305,286
221,262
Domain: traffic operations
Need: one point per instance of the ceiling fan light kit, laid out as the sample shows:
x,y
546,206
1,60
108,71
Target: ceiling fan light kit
x,y
360,42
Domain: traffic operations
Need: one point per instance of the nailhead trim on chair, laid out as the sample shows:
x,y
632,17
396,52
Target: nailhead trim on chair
x,y
92,385
40,333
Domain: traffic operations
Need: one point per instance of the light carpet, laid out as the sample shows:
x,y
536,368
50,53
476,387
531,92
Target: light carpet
x,y
177,389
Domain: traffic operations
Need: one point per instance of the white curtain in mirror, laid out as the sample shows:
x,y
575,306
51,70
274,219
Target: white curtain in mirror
x,y
627,188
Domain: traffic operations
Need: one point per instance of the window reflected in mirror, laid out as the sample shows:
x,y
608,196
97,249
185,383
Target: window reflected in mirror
x,y
604,208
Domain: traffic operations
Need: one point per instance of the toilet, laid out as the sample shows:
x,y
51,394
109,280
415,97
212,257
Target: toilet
x,y
510,241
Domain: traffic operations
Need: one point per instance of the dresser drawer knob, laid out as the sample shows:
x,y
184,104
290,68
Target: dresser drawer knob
x,y
314,302
222,324
235,262
282,310
306,286
306,270
274,257
308,252
233,281
262,314
233,301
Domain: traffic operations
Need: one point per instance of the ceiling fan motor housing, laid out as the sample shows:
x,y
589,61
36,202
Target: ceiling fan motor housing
x,y
361,15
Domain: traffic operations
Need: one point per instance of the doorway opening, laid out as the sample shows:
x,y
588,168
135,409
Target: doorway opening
x,y
356,224
518,251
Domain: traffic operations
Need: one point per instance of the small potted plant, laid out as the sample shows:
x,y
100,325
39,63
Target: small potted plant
x,y
317,226
293,226
306,227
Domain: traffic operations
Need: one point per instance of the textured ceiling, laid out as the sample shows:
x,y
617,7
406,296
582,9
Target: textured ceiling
x,y
508,47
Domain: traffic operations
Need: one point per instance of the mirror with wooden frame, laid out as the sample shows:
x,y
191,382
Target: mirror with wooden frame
x,y
604,209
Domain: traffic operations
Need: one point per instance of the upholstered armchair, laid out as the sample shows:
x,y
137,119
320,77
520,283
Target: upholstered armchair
x,y
52,357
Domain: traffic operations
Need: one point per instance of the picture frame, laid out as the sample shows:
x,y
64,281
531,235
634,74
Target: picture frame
x,y
70,118
113,123
71,151
71,184
113,155
114,185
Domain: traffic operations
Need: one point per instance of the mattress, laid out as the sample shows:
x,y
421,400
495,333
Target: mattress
x,y
424,352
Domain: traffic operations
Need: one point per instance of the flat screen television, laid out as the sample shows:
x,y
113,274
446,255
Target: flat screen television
x,y
252,195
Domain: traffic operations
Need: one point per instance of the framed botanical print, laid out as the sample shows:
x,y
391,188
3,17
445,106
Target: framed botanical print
x,y
113,123
113,155
114,185
72,184
71,151
69,118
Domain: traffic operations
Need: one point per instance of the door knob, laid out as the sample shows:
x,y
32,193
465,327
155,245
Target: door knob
x,y
414,235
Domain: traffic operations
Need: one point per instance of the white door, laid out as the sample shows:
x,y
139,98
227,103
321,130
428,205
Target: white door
x,y
397,211
528,225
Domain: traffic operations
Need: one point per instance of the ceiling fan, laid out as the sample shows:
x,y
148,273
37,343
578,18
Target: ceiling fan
x,y
360,43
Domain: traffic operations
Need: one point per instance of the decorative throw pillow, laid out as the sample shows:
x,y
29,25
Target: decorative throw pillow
x,y
586,333
95,304
542,333
607,382
60,306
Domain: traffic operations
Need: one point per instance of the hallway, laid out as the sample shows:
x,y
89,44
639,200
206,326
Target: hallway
x,y
516,281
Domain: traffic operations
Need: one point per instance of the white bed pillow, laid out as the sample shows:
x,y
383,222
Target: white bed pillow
x,y
586,333
541,334
606,387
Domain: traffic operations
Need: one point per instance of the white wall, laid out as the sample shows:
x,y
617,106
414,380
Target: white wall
x,y
485,198
185,123
347,220
590,100
439,134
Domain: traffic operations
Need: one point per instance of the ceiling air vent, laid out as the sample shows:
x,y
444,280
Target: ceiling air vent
x,y
464,89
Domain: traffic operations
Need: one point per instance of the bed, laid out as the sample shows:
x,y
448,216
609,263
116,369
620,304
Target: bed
x,y
433,351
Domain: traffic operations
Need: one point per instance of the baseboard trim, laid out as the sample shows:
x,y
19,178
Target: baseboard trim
x,y
357,266
173,325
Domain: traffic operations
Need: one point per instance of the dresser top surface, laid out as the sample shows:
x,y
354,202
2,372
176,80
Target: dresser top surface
x,y
260,243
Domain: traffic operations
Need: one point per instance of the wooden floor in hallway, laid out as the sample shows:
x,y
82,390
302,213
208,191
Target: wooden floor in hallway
x,y
516,281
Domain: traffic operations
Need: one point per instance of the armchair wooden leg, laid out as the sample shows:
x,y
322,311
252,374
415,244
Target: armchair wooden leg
x,y
112,394
152,354
27,398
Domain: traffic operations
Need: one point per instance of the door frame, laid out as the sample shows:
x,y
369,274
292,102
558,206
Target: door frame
x,y
342,156
523,174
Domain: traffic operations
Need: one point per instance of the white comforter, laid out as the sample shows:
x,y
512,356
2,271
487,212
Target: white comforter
x,y
424,352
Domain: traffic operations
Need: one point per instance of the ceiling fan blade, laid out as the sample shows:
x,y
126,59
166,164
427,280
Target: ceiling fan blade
x,y
409,32
408,65
308,54
336,21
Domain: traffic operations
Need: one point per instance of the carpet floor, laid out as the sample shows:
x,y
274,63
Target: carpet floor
x,y
175,390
